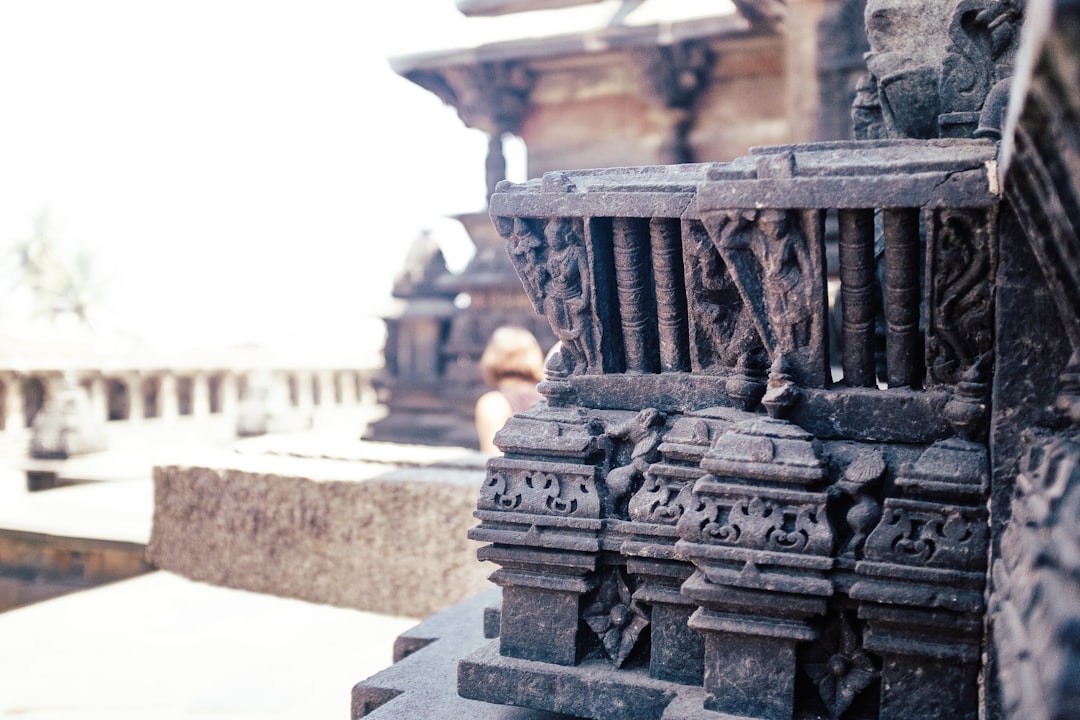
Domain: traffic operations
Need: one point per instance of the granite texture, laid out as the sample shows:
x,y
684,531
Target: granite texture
x,y
370,536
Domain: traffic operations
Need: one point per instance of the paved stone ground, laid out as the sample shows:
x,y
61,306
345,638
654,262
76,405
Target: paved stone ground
x,y
160,646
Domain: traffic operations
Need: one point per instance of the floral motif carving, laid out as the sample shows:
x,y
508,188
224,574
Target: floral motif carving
x,y
838,665
918,533
616,617
961,318
495,491
540,488
660,500
757,523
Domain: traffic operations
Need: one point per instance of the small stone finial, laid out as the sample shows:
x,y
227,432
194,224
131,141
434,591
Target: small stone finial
x,y
781,392
745,386
1068,399
967,410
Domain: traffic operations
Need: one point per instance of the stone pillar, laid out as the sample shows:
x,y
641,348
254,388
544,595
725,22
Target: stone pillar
x,y
12,402
168,400
544,592
677,650
347,378
200,395
229,396
326,388
921,583
136,403
304,400
99,400
760,537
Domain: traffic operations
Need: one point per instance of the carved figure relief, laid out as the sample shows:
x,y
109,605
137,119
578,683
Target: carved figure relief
x,y
554,270
564,283
722,329
525,246
645,432
780,278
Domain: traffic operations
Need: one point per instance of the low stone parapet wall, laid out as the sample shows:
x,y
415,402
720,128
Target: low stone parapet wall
x,y
386,536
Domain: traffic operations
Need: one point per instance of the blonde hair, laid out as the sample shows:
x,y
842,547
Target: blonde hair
x,y
512,352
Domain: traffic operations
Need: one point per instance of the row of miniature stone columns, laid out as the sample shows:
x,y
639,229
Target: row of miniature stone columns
x,y
23,393
651,253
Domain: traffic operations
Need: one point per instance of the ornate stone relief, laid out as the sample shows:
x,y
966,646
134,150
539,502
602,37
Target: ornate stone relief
x,y
789,545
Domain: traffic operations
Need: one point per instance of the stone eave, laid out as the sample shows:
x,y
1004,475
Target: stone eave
x,y
764,11
474,8
416,66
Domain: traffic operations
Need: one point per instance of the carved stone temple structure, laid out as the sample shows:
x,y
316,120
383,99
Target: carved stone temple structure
x,y
604,93
711,517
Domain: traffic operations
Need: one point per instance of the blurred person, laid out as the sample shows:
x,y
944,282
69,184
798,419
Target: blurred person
x,y
513,364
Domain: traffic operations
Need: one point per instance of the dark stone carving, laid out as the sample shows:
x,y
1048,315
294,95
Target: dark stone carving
x,y
936,70
862,509
777,264
1035,608
721,329
616,617
540,488
679,526
963,260
556,274
983,37
757,521
841,669
644,432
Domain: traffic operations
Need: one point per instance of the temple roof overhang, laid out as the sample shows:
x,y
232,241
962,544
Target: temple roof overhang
x,y
526,33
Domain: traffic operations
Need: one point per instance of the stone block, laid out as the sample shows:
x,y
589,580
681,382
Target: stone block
x,y
374,536
422,683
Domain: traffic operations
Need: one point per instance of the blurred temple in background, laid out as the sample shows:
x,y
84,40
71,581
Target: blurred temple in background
x,y
597,84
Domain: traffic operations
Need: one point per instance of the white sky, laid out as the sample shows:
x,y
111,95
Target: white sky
x,y
242,170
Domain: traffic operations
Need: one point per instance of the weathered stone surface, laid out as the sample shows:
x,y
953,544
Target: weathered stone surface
x,y
422,683
1035,605
700,461
362,535
831,536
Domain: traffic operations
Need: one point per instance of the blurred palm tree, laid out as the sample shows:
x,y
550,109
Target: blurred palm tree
x,y
60,281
